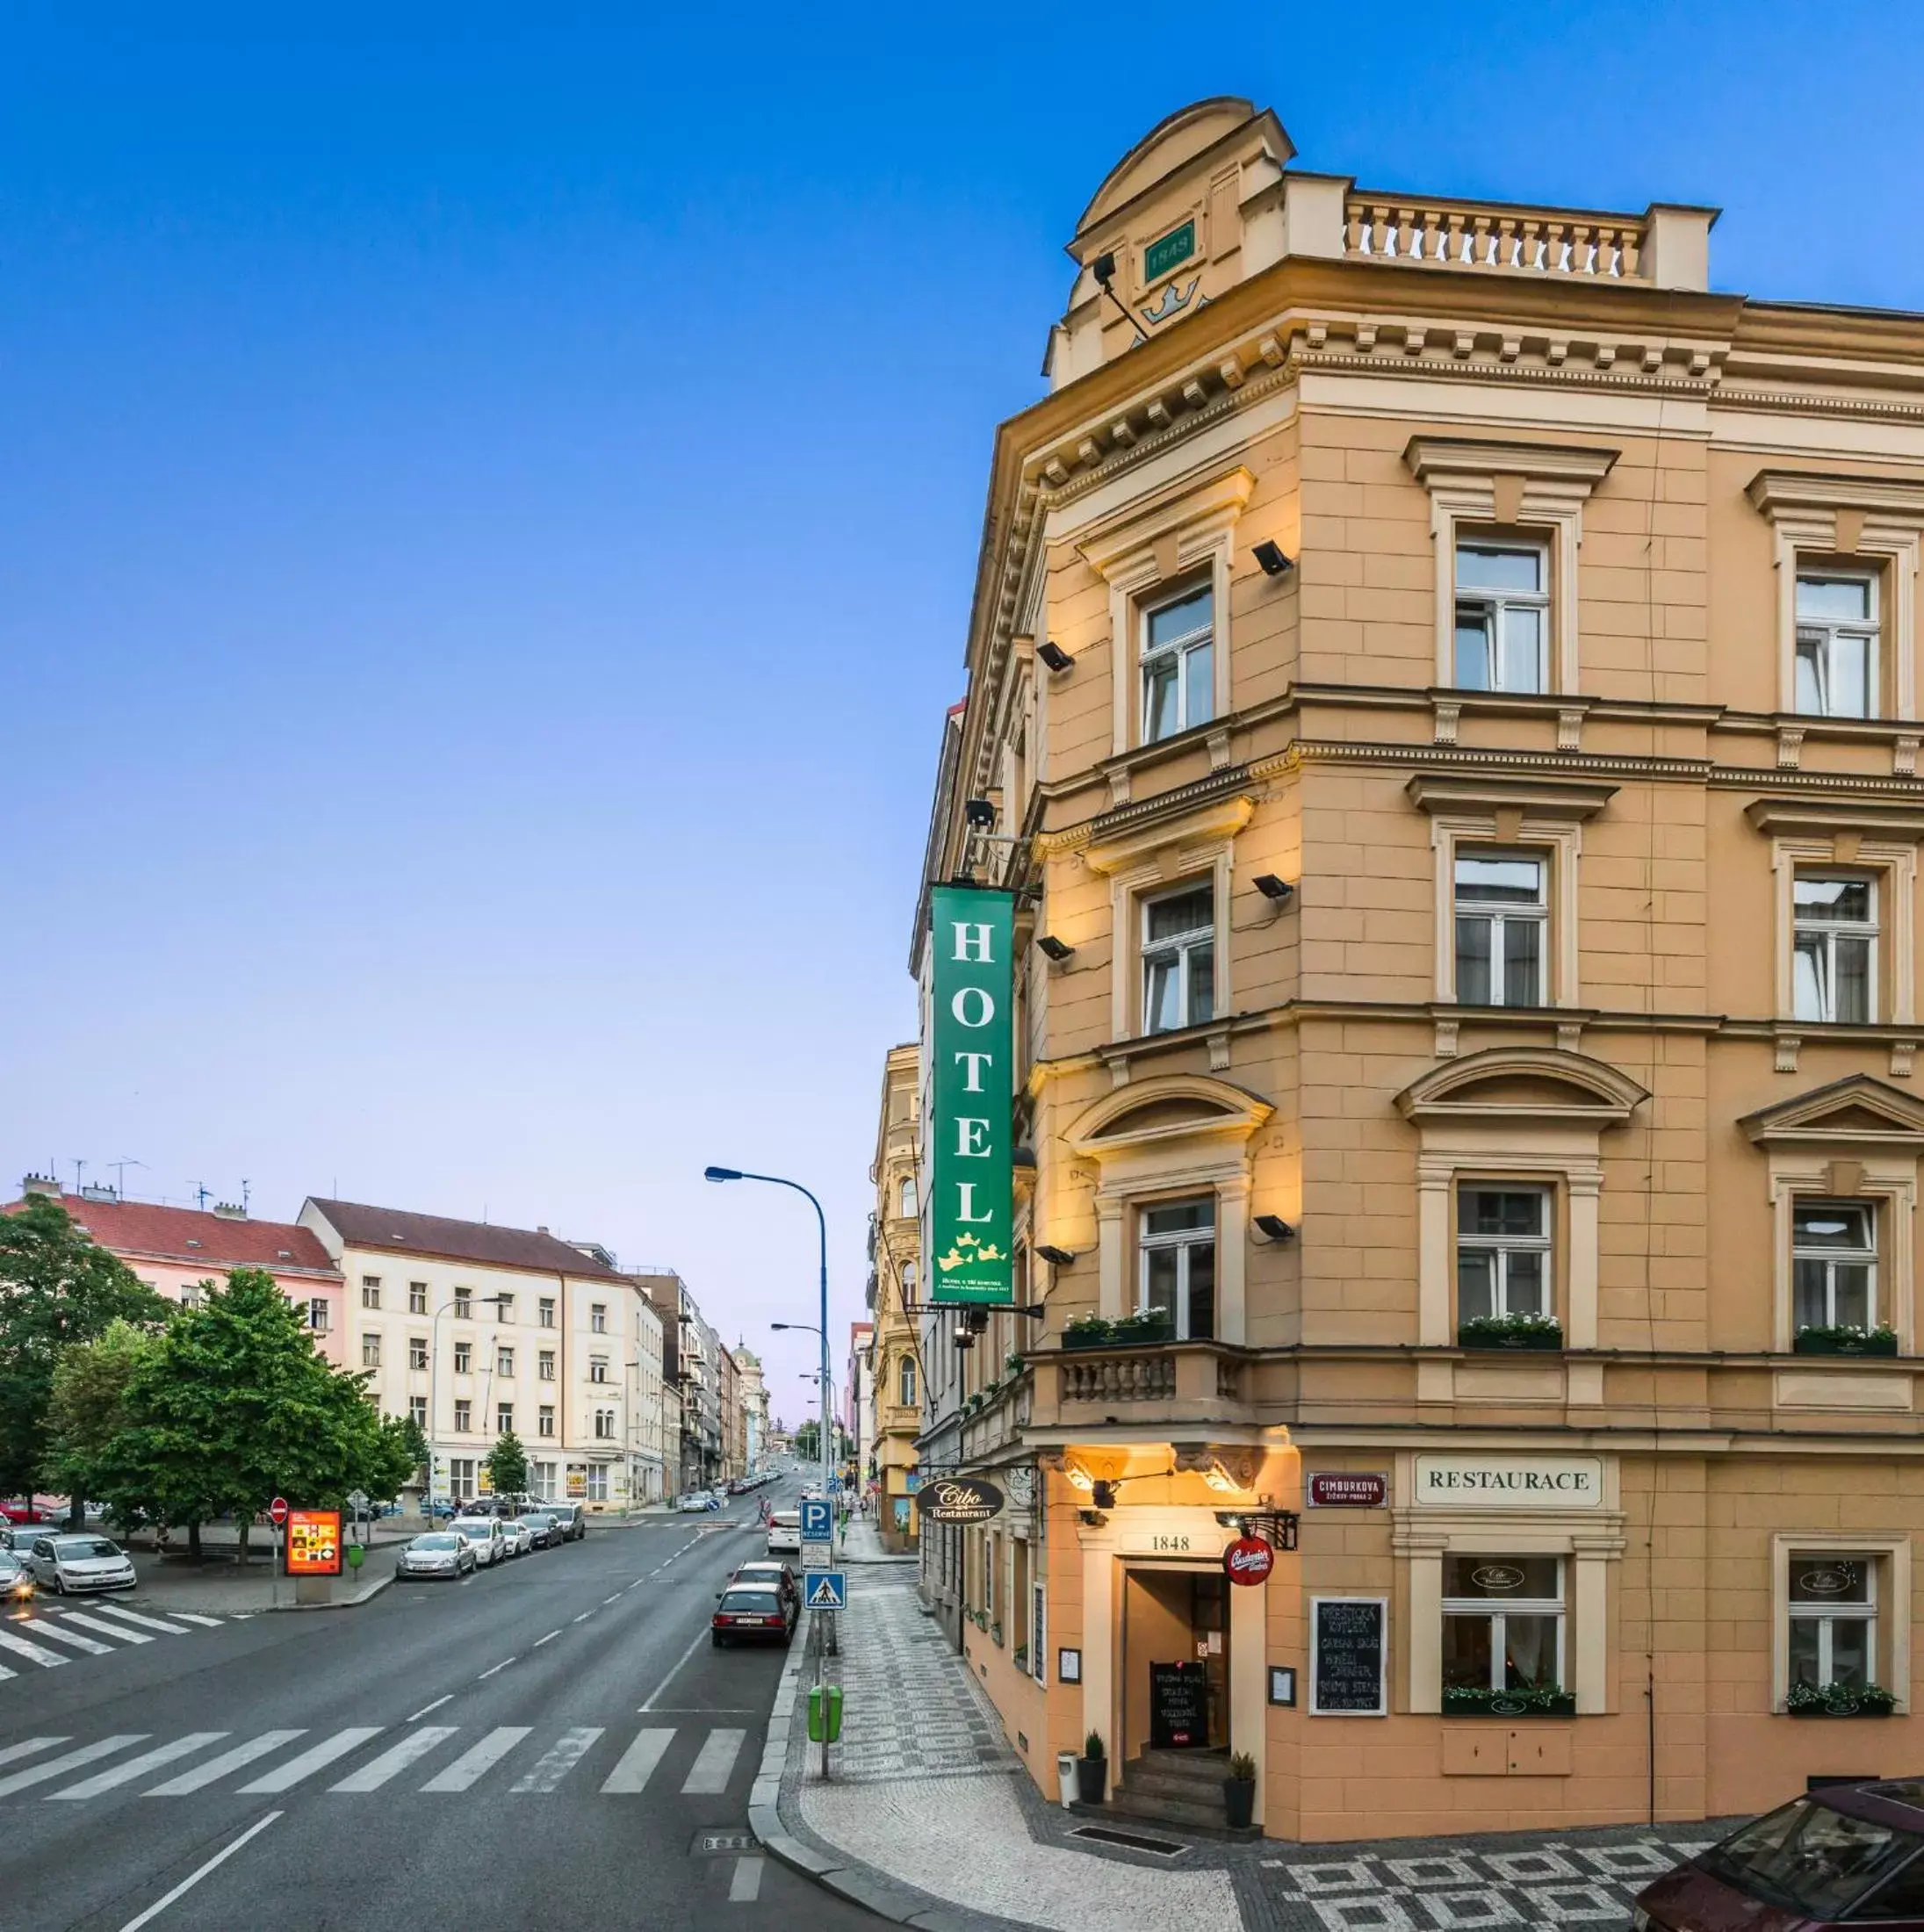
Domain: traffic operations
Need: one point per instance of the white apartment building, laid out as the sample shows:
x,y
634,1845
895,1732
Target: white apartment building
x,y
476,1330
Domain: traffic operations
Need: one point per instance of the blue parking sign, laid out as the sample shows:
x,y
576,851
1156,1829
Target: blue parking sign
x,y
818,1519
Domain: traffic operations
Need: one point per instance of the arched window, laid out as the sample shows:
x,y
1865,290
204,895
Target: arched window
x,y
908,1281
906,1205
905,1381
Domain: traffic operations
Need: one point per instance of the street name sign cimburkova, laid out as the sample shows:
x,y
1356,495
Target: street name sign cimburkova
x,y
971,1046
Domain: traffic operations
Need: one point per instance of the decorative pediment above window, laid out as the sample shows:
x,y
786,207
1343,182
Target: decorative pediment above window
x,y
1825,817
1173,1107
1184,827
1565,800
1854,1112
1893,499
1478,461
1524,1083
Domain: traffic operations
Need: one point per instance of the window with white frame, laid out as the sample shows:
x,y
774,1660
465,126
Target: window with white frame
x,y
461,1474
504,1308
417,1297
1503,1622
597,1318
544,1364
597,1368
464,1357
1176,1243
545,1419
1503,921
545,1311
417,1409
370,1291
1502,1252
905,1381
463,1416
542,1475
1837,643
905,1198
1178,959
604,1424
1833,1620
1835,961
908,1281
464,1304
371,1351
1502,617
597,1482
1833,1264
504,1361
504,1418
1179,663
317,1315
417,1352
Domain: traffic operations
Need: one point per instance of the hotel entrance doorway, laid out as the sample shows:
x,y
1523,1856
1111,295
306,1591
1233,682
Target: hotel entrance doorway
x,y
1175,1659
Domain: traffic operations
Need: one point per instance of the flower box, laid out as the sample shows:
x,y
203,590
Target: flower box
x,y
1130,1331
1509,1332
1846,1341
1549,1702
1094,1335
1839,1700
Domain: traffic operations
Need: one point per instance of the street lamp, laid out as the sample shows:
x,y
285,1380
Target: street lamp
x,y
821,1222
434,1375
810,1375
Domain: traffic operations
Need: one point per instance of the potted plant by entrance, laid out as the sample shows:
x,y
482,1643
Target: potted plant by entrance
x,y
1239,1791
1092,1769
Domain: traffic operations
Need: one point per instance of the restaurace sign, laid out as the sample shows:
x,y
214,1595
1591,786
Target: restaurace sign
x,y
1510,1483
971,1043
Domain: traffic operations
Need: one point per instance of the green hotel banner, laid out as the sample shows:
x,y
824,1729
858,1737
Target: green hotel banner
x,y
971,1050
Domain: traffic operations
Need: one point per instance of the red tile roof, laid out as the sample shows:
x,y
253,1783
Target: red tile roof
x,y
192,1237
400,1232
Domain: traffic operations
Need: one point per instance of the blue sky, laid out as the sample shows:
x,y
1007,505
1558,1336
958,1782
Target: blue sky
x,y
486,515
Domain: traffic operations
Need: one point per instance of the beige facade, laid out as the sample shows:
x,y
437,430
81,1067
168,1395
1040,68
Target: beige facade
x,y
1445,682
890,1457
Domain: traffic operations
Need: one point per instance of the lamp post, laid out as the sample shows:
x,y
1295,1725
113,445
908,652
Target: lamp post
x,y
811,1375
821,1222
434,1377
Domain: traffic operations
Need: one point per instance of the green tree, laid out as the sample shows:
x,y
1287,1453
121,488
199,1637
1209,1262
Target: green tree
x,y
57,1290
87,1412
507,1465
415,1440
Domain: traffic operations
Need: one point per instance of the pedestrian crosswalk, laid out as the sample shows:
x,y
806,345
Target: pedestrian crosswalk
x,y
358,1759
51,1636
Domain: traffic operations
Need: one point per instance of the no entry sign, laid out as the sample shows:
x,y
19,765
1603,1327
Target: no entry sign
x,y
277,1512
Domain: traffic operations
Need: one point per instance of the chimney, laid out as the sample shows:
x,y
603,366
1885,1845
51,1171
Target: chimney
x,y
99,1191
541,1230
229,1210
43,1184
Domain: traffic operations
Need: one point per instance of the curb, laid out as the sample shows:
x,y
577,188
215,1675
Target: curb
x,y
342,1602
765,1799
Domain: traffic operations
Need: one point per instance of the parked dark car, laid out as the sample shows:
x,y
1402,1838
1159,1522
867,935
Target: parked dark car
x,y
752,1615
542,1527
1843,1856
570,1518
761,1573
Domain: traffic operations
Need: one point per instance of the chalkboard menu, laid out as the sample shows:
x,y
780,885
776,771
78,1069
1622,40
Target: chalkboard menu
x,y
1346,1655
1178,1714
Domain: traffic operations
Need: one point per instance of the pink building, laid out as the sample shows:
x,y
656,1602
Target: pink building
x,y
174,1250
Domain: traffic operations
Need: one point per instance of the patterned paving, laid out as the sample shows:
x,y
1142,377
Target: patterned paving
x,y
910,1708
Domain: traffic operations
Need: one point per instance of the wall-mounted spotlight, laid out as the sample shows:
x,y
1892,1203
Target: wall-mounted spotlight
x,y
1103,268
964,1339
980,813
1093,1518
1279,890
1273,560
1103,1496
1274,1228
1057,949
1056,1258
1054,657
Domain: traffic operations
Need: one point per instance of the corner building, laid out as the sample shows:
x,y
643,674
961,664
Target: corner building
x,y
1444,685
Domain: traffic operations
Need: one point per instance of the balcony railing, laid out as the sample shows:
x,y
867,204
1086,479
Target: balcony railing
x,y
1486,234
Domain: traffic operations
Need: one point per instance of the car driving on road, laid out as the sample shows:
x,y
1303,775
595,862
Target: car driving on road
x,y
439,1553
785,1533
68,1565
756,1615
15,1581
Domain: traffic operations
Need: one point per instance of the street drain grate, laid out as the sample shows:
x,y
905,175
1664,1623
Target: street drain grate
x,y
716,1844
1160,1846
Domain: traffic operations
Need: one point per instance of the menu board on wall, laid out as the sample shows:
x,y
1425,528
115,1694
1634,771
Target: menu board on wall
x,y
1347,1651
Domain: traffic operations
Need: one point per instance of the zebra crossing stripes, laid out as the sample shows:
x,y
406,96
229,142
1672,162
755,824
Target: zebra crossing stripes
x,y
560,1759
41,1774
316,1757
19,1647
714,1761
217,1768
120,1613
396,1758
639,1761
58,1633
129,1769
46,1637
120,1631
478,1759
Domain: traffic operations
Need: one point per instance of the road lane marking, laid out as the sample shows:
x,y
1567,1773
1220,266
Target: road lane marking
x,y
558,1760
21,1648
59,1633
315,1757
131,1767
744,1887
479,1758
548,1638
194,1877
144,1623
616,1598
695,1644
120,1631
28,1747
204,1775
425,1708
38,1774
492,1668
194,1617
6,1673
639,1761
397,1757
713,1764
584,1617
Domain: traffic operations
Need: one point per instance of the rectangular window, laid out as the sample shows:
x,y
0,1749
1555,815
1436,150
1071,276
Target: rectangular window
x,y
417,1352
1834,964
1503,1251
504,1361
1837,644
545,1366
1178,1245
544,1420
417,1297
371,1351
464,1357
604,1424
463,1416
545,1314
544,1478
905,1207
461,1474
1834,1620
317,1315
905,1382
1833,1264
1503,1622
370,1291
1178,652
1502,618
597,1368
597,1481
464,1304
417,1406
504,1308
1503,919
504,1418
597,1318
1178,959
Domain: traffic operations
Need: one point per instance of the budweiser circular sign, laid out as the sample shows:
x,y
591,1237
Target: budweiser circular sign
x,y
960,1499
1249,1559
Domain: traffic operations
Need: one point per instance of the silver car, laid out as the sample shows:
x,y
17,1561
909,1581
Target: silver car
x,y
69,1565
439,1553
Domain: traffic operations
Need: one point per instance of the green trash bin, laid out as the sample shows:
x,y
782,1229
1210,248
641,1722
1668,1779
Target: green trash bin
x,y
825,1714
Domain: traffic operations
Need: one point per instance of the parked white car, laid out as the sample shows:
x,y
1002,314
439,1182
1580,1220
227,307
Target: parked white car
x,y
69,1565
516,1535
486,1533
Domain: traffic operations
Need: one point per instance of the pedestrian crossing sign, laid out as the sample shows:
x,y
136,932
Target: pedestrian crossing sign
x,y
828,1589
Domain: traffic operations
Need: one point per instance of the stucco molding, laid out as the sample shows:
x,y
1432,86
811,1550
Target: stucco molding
x,y
1101,1132
1599,1095
1855,1112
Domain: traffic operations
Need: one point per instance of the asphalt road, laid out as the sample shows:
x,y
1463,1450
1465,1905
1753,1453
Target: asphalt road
x,y
552,1744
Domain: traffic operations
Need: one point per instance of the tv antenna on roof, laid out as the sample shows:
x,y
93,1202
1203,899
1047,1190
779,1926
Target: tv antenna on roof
x,y
119,1169
246,1198
201,1191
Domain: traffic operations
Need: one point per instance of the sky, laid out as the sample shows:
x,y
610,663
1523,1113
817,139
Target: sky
x,y
488,503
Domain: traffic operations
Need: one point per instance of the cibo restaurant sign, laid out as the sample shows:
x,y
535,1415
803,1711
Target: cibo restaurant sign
x,y
971,1044
1510,1483
959,1499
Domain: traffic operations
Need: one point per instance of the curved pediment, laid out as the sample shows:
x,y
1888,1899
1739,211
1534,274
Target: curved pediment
x,y
1856,1111
1523,1084
1175,139
1175,1107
